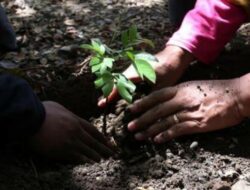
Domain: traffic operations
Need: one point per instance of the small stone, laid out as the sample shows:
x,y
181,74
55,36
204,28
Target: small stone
x,y
169,155
181,152
69,22
43,61
241,185
132,185
159,158
140,188
168,161
194,145
157,174
150,188
144,188
84,171
98,178
230,175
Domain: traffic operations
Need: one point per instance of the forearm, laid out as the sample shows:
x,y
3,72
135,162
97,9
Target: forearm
x,y
21,112
172,62
244,95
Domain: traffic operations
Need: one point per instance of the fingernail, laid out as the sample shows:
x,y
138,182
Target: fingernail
x,y
131,126
139,137
101,103
159,139
131,108
134,107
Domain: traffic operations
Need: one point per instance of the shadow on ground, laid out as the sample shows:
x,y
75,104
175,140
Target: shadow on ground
x,y
56,24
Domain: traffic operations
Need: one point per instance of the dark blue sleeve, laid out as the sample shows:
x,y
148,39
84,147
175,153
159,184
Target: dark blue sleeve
x,y
21,112
7,34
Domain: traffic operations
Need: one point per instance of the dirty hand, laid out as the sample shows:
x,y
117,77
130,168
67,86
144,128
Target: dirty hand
x,y
191,107
66,137
172,62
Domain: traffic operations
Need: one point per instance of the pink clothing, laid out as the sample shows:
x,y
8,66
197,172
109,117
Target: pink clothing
x,y
208,27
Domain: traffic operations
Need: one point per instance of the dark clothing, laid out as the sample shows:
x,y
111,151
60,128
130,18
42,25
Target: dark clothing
x,y
7,34
178,9
21,112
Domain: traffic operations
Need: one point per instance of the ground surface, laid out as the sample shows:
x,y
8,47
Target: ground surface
x,y
48,33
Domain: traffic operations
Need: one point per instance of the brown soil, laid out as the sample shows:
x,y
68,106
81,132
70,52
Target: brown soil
x,y
205,161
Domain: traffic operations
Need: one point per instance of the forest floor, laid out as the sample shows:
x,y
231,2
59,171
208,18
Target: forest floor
x,y
49,33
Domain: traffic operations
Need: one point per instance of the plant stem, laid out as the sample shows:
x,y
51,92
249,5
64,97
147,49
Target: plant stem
x,y
104,126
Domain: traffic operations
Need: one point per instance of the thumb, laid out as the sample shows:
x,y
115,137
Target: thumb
x,y
132,75
112,97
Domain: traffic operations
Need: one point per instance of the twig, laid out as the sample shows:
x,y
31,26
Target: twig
x,y
34,168
83,65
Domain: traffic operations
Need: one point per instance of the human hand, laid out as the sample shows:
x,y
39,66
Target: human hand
x,y
66,137
172,62
191,107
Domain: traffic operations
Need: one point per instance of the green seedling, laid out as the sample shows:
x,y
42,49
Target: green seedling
x,y
103,60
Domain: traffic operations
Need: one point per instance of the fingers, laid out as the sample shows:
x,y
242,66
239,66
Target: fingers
x,y
185,118
87,151
153,115
112,97
79,158
153,99
132,75
156,128
94,144
184,128
90,129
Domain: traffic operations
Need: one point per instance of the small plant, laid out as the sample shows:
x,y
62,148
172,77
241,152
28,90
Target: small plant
x,y
103,60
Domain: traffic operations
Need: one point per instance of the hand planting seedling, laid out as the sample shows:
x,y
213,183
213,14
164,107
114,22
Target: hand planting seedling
x,y
104,58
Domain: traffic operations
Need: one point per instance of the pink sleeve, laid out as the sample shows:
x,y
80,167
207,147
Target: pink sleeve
x,y
207,28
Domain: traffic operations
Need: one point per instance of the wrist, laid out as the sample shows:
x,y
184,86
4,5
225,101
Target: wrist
x,y
244,95
175,57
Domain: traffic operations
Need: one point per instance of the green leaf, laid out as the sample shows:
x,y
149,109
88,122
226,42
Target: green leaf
x,y
132,34
127,83
129,36
144,69
109,50
103,79
130,55
130,86
95,68
94,61
125,87
107,88
87,46
125,94
98,46
146,57
99,82
125,38
106,63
